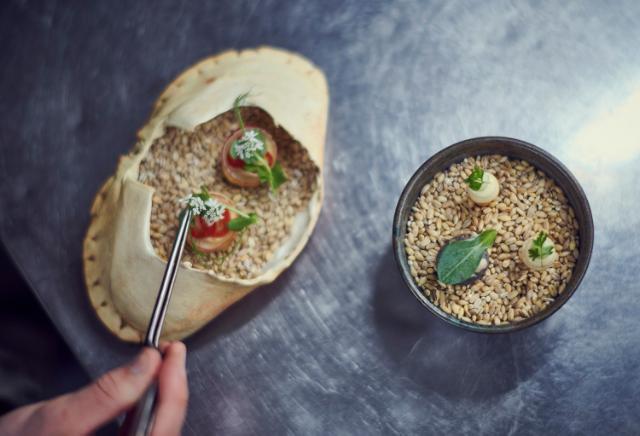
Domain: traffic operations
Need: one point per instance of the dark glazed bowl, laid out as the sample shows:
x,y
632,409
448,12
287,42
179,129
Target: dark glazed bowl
x,y
513,148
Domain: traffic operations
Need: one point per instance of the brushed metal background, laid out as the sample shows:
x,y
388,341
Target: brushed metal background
x,y
338,345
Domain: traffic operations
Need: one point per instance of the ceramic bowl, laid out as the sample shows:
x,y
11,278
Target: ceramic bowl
x,y
516,149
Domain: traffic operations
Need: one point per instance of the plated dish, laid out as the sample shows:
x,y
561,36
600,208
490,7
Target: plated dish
x,y
492,234
181,163
239,138
532,239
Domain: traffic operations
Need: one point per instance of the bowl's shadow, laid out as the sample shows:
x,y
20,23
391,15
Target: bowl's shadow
x,y
436,356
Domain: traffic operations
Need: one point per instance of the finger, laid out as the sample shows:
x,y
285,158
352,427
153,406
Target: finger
x,y
173,392
21,421
113,393
163,346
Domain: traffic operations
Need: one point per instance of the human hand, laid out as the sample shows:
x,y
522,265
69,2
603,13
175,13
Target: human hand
x,y
84,411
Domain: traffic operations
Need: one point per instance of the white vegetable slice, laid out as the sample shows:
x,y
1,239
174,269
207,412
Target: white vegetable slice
x,y
540,263
488,191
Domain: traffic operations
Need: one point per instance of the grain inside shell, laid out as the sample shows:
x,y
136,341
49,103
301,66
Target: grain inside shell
x,y
180,162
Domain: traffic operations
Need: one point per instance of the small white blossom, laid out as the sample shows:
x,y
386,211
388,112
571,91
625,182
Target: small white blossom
x,y
194,203
214,212
210,209
250,134
248,145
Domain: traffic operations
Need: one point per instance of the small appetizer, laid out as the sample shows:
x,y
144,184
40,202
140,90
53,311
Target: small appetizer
x,y
215,222
483,187
126,244
462,261
249,156
538,253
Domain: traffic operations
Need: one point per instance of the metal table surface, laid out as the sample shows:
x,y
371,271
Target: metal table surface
x,y
337,345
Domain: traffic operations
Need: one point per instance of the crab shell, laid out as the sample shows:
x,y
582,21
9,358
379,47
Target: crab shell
x,y
122,270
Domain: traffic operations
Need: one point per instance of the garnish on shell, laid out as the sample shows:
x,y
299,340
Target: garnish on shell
x,y
215,223
233,169
249,157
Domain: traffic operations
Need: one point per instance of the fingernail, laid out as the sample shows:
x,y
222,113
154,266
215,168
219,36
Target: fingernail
x,y
141,364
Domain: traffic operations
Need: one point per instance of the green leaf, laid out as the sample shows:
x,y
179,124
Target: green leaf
x,y
234,152
278,176
203,194
263,171
241,222
459,260
475,179
538,250
274,177
236,108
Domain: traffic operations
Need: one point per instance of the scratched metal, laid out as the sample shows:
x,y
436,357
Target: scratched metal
x,y
338,345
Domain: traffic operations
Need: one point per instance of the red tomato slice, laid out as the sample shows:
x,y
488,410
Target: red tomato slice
x,y
200,228
236,163
239,163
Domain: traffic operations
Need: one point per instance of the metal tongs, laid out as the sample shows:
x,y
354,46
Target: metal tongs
x,y
139,420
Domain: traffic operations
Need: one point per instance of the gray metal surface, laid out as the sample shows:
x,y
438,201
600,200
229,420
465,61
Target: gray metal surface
x,y
338,345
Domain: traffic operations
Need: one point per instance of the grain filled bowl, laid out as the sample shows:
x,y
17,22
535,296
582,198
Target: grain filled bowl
x,y
538,196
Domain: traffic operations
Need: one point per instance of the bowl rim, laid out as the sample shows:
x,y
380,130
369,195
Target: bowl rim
x,y
586,243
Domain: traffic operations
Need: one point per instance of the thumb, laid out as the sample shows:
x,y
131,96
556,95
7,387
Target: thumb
x,y
112,393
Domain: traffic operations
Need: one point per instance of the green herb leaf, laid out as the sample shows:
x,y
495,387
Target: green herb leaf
x,y
279,177
262,170
538,250
274,177
459,259
241,222
261,138
203,194
234,150
475,179
255,161
236,108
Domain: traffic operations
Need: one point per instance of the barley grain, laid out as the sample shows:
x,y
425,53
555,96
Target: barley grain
x,y
530,201
180,162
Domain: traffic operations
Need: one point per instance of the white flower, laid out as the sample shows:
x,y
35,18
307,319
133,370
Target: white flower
x,y
214,212
194,203
250,134
210,209
248,145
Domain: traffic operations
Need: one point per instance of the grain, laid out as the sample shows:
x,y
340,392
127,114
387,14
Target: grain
x,y
180,162
529,201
